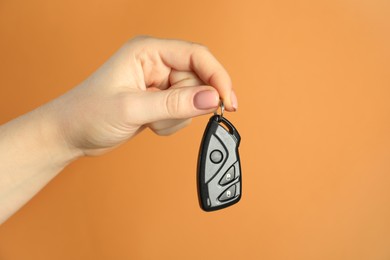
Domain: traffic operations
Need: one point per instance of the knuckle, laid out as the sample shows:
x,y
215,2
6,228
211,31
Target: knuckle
x,y
138,40
126,104
200,47
197,45
172,103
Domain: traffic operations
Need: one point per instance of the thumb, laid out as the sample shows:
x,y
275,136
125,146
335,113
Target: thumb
x,y
176,103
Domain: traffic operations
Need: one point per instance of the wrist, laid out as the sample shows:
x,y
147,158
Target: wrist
x,y
53,135
32,152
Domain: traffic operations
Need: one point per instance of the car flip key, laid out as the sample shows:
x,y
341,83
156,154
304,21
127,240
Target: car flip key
x,y
219,169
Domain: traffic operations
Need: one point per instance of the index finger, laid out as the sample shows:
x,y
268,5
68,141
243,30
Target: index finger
x,y
187,56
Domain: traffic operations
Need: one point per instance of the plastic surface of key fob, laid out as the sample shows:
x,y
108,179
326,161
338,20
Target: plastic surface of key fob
x,y
219,168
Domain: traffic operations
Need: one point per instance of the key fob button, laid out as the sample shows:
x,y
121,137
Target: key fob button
x,y
228,194
228,177
216,156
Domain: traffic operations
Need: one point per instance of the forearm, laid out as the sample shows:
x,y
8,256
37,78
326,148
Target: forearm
x,y
32,152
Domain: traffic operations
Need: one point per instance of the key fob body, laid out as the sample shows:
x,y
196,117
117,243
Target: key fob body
x,y
219,168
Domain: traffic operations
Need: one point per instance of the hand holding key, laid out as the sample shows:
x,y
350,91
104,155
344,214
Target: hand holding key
x,y
149,82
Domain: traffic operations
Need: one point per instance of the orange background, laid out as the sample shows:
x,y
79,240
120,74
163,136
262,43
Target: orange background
x,y
313,81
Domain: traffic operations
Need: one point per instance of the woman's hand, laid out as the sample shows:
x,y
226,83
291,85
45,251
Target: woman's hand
x,y
149,82
155,83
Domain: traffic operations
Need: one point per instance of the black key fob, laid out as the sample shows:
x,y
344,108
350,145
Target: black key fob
x,y
219,169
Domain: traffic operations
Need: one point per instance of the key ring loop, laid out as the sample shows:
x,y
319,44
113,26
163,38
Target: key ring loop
x,y
222,106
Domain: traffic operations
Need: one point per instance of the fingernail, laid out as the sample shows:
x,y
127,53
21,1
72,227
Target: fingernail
x,y
206,99
233,99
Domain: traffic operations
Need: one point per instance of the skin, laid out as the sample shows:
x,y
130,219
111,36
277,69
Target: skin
x,y
148,82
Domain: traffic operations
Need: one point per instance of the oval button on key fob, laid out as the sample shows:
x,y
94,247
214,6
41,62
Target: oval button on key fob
x,y
219,169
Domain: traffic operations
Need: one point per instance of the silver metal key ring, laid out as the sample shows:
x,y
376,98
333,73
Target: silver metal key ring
x,y
222,106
